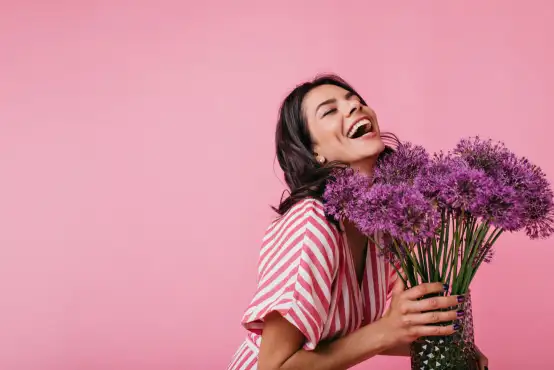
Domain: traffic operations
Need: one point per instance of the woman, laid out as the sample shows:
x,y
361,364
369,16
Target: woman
x,y
322,287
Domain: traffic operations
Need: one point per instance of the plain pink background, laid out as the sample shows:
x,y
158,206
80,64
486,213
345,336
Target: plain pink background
x,y
137,161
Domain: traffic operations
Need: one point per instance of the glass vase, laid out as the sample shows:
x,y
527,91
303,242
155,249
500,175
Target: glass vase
x,y
456,351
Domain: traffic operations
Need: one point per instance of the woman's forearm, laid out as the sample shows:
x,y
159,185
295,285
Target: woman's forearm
x,y
400,350
344,352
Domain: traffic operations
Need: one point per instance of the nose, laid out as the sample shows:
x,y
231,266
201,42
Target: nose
x,y
353,107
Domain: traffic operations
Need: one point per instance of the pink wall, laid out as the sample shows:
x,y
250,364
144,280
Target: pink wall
x,y
136,156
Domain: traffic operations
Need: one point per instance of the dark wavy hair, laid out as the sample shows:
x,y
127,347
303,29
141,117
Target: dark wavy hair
x,y
305,176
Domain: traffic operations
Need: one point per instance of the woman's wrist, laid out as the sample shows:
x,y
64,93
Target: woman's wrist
x,y
391,345
403,349
383,334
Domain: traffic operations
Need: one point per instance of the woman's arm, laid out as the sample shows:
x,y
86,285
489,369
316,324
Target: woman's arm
x,y
282,342
406,320
400,350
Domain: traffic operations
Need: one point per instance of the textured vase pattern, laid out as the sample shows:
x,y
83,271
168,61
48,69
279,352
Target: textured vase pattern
x,y
456,351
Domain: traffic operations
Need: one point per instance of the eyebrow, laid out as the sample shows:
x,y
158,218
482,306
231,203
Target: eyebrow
x,y
347,96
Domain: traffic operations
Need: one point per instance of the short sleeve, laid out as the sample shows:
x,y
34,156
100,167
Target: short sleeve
x,y
297,266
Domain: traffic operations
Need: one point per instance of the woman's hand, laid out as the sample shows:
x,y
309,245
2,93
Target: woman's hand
x,y
482,360
408,317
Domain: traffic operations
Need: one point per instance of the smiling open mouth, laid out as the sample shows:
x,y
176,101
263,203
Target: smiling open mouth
x,y
362,127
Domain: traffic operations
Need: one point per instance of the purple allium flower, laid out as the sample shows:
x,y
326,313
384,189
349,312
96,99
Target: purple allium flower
x,y
467,190
450,182
342,190
402,166
397,210
535,202
432,180
400,211
535,196
503,208
484,155
481,183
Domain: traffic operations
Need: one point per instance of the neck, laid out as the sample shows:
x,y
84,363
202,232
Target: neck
x,y
365,166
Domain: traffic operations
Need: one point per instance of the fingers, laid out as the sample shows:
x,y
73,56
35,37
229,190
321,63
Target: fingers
x,y
425,289
434,303
483,361
432,317
433,331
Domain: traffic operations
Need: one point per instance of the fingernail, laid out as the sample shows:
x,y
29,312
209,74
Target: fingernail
x,y
460,313
456,326
461,298
445,287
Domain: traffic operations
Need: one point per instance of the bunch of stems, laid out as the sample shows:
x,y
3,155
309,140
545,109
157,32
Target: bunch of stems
x,y
451,257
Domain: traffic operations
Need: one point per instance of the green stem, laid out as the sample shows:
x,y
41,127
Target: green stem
x,y
423,262
409,267
490,242
436,259
398,256
470,243
444,246
483,230
470,232
455,252
438,253
431,252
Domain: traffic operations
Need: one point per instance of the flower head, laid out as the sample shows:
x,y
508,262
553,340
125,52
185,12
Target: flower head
x,y
467,190
402,166
342,190
532,197
535,196
454,185
397,210
484,155
432,179
503,208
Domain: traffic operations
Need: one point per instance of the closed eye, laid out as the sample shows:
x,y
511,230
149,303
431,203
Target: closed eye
x,y
330,111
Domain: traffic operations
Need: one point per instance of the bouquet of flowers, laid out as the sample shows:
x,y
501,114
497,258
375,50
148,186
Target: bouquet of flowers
x,y
438,217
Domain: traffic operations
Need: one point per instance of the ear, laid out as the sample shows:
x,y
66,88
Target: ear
x,y
319,158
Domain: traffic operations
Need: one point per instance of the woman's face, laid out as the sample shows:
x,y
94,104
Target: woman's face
x,y
342,128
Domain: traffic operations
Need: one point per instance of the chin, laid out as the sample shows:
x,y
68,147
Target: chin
x,y
365,151
375,148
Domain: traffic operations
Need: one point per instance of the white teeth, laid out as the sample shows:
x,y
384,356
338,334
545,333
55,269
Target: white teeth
x,y
359,124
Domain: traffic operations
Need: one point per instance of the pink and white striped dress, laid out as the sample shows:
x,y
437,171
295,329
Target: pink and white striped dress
x,y
306,273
